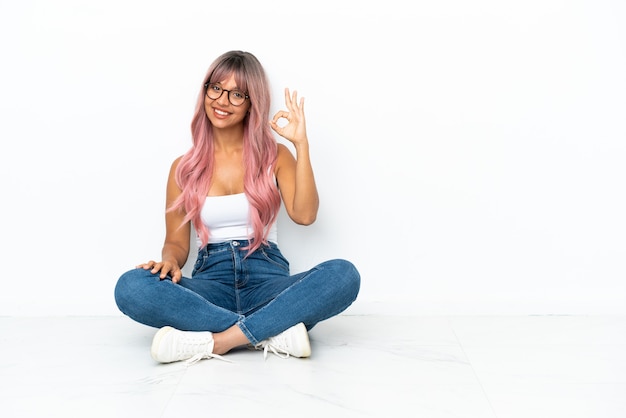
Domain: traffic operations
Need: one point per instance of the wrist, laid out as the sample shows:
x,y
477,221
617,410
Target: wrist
x,y
301,145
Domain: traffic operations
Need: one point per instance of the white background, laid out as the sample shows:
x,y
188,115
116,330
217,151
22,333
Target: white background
x,y
470,156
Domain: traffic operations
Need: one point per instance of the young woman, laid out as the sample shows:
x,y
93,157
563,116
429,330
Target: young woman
x,y
228,188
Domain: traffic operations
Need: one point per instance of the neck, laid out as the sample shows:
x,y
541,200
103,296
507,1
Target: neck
x,y
228,140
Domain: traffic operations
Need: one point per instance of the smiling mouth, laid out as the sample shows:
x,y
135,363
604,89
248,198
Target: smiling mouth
x,y
220,112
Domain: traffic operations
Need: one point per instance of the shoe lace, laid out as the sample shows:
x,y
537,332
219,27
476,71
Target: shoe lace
x,y
196,358
194,346
276,345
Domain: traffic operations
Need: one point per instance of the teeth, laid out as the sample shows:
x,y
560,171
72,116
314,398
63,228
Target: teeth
x,y
219,112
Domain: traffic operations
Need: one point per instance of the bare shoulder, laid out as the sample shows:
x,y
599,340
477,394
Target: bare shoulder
x,y
171,178
174,165
176,162
283,154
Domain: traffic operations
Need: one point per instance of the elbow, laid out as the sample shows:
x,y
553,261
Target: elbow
x,y
305,220
304,214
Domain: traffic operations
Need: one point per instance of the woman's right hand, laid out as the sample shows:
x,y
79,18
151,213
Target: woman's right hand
x,y
167,268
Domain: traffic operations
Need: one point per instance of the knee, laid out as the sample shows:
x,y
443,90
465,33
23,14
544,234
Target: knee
x,y
347,275
129,286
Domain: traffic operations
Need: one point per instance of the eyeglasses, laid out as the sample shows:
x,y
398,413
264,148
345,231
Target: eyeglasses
x,y
235,97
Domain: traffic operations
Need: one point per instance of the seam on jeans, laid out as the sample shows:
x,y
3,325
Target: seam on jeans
x,y
247,333
284,265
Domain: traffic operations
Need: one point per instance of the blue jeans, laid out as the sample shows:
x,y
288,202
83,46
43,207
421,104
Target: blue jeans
x,y
256,292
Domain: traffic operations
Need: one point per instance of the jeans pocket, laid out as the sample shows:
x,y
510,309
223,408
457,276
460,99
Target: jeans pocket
x,y
200,263
274,256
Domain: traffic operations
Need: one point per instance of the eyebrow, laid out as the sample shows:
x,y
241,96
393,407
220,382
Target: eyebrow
x,y
234,88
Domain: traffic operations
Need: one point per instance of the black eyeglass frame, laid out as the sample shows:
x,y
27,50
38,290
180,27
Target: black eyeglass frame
x,y
206,92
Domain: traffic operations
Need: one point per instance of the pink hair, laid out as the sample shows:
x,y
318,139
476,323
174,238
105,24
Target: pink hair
x,y
193,173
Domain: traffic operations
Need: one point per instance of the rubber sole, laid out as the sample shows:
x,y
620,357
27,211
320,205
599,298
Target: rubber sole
x,y
156,341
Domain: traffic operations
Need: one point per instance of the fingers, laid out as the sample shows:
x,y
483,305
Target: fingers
x,y
165,268
291,100
176,276
295,108
288,98
280,114
146,266
294,129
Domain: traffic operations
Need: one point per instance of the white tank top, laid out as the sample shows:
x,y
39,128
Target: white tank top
x,y
227,219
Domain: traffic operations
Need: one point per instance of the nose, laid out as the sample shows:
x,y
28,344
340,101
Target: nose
x,y
223,99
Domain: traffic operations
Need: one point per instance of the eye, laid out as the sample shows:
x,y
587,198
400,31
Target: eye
x,y
215,88
238,94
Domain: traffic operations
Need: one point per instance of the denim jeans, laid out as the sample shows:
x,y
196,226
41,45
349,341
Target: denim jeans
x,y
256,292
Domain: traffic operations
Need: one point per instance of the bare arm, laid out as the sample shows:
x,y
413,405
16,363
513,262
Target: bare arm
x,y
176,246
295,175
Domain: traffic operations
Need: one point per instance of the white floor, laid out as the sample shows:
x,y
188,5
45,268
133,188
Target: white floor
x,y
361,366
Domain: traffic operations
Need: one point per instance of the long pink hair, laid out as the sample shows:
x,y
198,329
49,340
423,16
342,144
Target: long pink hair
x,y
194,171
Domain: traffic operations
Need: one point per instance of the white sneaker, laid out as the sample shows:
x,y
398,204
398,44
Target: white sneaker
x,y
170,344
292,342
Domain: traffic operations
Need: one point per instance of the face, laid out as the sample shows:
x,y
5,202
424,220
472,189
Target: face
x,y
221,112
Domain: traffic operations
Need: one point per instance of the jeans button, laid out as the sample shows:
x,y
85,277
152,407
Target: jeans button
x,y
235,243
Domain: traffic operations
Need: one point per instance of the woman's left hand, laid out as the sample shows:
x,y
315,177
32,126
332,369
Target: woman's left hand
x,y
295,129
